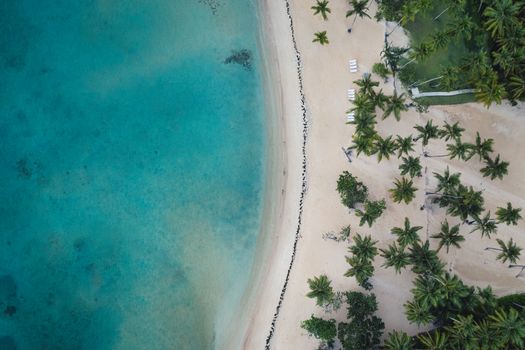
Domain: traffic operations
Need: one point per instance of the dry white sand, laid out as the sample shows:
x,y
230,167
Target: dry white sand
x,y
326,80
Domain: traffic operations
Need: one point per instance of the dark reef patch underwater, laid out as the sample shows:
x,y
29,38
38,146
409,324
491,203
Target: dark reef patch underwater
x,y
131,171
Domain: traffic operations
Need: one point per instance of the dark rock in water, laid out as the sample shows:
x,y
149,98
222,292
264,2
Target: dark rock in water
x,y
10,310
23,169
242,57
212,4
7,343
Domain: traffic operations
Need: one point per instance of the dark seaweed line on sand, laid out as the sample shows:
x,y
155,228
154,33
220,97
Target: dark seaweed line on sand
x,y
303,178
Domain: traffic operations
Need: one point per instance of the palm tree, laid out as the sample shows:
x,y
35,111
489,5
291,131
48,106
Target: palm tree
x,y
509,251
404,145
461,150
392,56
417,313
462,26
448,236
322,8
398,341
500,15
363,104
320,290
483,148
407,235
373,210
321,38
395,257
489,90
451,131
450,78
419,53
364,142
364,123
380,99
385,147
364,247
411,165
361,269
396,105
467,202
517,86
424,260
447,182
367,85
403,191
509,326
495,168
508,215
359,8
440,40
463,332
435,341
485,225
427,132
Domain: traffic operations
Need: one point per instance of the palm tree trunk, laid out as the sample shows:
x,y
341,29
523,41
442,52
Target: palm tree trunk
x,y
426,81
491,248
406,64
441,194
397,25
521,266
435,156
355,17
442,12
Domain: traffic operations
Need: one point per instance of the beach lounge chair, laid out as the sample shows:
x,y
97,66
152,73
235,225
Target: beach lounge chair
x,y
353,70
350,117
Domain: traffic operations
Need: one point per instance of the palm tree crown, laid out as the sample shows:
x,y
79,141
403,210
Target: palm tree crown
x,y
321,38
321,7
427,132
485,225
404,145
451,131
508,215
411,165
495,168
364,247
407,235
403,190
385,148
359,8
395,257
396,105
448,236
460,150
483,148
321,290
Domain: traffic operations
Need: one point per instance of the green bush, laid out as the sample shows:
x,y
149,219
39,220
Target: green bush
x,y
320,328
351,190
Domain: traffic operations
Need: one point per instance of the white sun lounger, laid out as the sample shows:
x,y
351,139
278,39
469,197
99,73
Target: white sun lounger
x,y
350,118
352,61
353,70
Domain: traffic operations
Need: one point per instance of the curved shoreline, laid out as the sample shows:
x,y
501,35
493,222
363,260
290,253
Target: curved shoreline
x,y
304,182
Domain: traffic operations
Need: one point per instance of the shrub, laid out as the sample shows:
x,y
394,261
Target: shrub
x,y
351,190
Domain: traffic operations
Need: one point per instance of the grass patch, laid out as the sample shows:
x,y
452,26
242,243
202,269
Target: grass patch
x,y
447,100
421,30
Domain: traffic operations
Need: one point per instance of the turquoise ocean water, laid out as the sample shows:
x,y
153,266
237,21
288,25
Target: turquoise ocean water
x,y
131,170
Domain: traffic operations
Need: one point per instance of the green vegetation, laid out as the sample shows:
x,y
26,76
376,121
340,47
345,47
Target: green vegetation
x,y
320,290
372,211
469,36
351,190
321,38
324,330
363,329
461,44
321,7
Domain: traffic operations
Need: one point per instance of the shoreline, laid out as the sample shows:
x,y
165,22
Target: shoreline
x,y
284,184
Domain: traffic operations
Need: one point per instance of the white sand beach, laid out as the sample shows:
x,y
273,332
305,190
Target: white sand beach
x,y
326,78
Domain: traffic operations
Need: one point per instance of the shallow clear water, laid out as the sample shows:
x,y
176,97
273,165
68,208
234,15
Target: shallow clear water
x,y
131,170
